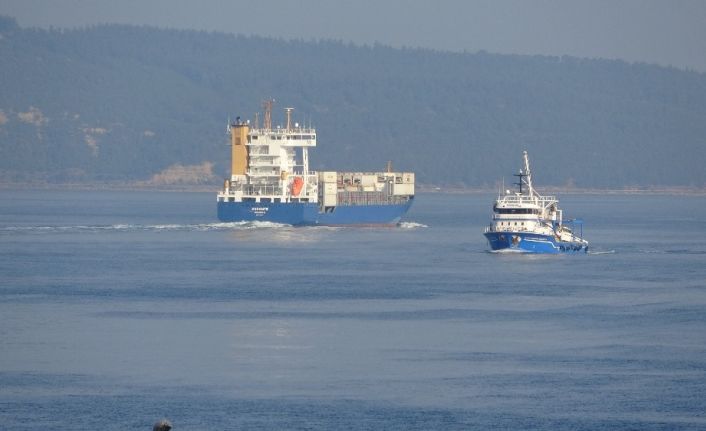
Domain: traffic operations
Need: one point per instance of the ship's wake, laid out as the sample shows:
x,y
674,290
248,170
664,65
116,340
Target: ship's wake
x,y
672,251
599,252
124,227
171,227
411,225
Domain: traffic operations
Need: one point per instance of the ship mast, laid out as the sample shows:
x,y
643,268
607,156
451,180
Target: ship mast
x,y
528,174
267,120
288,111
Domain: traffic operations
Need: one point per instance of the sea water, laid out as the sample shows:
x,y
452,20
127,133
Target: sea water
x,y
118,309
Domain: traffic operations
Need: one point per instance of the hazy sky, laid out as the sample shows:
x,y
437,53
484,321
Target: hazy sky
x,y
671,32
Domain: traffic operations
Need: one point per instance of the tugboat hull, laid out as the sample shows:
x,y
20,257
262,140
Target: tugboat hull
x,y
524,242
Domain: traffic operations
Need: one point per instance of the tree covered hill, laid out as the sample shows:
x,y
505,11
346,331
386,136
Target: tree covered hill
x,y
116,102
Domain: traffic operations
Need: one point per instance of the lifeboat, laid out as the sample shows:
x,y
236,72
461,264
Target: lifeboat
x,y
297,185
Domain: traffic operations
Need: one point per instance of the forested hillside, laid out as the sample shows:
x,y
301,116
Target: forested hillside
x,y
122,103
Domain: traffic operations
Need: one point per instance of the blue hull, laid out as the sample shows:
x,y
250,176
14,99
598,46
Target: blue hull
x,y
307,214
531,243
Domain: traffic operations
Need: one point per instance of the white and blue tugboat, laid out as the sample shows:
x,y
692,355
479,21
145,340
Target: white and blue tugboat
x,y
528,222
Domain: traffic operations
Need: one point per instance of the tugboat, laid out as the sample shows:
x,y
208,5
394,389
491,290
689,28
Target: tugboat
x,y
528,222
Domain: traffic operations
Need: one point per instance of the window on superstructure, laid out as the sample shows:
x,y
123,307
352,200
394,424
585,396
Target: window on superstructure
x,y
515,211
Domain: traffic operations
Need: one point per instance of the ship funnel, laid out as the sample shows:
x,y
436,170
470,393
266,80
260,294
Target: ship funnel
x,y
239,154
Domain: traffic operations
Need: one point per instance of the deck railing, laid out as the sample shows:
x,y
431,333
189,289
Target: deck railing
x,y
524,199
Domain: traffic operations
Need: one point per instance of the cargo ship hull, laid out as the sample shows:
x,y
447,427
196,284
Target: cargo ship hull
x,y
308,214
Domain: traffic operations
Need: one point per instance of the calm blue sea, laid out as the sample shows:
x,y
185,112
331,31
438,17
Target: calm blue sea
x,y
121,308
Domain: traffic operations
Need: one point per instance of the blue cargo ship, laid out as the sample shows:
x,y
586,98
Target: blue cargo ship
x,y
528,222
270,181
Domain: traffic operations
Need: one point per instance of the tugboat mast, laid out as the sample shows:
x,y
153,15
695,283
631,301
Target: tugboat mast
x,y
524,177
528,174
520,176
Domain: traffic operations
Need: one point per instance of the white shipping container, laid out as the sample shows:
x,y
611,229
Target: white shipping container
x,y
328,176
330,200
403,189
368,180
